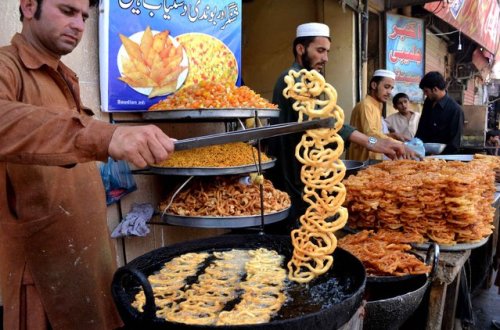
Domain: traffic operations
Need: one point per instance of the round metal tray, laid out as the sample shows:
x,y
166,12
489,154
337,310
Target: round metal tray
x,y
225,222
456,247
210,113
202,171
442,247
461,158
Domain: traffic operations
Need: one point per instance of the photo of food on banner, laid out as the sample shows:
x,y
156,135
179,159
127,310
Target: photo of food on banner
x,y
162,50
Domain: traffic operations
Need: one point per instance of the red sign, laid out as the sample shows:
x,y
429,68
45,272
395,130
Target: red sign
x,y
479,20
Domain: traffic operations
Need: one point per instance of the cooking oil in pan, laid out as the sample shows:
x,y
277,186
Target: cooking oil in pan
x,y
306,299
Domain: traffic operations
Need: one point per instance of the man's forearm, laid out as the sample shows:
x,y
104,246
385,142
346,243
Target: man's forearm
x,y
359,138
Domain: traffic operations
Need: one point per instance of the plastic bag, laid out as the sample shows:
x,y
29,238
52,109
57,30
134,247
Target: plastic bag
x,y
117,179
416,145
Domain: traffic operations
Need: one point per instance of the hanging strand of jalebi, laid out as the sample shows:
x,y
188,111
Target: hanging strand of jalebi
x,y
322,172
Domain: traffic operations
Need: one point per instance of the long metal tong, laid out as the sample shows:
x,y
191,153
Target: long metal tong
x,y
253,133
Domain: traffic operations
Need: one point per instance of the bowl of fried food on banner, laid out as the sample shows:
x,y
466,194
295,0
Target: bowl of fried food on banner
x,y
152,62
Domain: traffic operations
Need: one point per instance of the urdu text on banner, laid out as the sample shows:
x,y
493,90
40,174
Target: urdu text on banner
x,y
405,54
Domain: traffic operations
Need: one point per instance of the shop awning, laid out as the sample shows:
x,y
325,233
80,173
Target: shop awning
x,y
478,19
391,4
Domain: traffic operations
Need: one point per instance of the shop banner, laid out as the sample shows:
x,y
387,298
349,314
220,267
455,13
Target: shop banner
x,y
405,54
152,48
478,19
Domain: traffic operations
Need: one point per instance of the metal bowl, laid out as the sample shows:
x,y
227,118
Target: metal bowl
x,y
434,148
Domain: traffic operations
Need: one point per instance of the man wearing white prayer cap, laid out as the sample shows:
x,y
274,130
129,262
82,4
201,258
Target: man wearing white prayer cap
x,y
313,30
310,49
384,73
367,114
311,46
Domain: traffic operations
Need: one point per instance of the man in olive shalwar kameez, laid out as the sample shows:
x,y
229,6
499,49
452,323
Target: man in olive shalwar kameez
x,y
56,254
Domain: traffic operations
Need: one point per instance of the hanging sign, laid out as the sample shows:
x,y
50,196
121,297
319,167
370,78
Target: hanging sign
x,y
405,54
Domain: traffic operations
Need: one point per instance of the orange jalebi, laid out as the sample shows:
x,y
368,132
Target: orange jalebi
x,y
213,95
322,172
384,253
446,202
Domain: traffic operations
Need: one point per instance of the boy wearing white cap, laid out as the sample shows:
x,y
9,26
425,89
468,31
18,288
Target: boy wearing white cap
x,y
367,114
310,49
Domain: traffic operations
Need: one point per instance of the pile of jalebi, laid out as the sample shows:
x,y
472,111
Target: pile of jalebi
x,y
446,202
213,95
254,278
384,252
322,172
221,155
492,161
225,196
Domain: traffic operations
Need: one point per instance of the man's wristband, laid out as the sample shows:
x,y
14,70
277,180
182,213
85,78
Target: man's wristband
x,y
371,142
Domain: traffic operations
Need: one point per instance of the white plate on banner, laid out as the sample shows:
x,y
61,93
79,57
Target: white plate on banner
x,y
136,37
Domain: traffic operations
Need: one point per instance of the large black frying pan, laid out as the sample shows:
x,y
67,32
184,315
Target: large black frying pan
x,y
326,303
432,259
391,302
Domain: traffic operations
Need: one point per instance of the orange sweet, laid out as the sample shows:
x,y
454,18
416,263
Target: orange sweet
x,y
213,95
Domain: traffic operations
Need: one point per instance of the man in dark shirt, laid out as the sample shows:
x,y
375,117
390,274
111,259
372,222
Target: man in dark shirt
x,y
442,118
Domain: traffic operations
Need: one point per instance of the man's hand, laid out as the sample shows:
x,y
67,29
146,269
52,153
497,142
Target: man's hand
x,y
140,145
411,154
394,149
399,136
390,148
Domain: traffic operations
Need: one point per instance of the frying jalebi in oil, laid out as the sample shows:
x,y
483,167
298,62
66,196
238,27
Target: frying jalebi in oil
x,y
263,288
215,287
445,202
221,155
167,283
322,172
225,196
253,277
382,254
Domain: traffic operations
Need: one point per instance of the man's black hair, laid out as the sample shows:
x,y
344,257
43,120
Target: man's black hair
x,y
491,133
375,79
398,96
304,41
38,12
433,79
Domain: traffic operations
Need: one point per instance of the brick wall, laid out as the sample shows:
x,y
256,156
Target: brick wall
x,y
435,54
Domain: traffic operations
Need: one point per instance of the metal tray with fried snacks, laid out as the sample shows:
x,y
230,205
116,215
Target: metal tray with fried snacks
x,y
225,221
460,158
454,247
202,171
207,113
